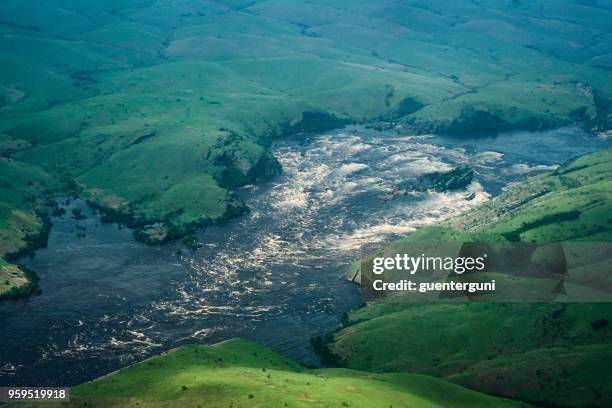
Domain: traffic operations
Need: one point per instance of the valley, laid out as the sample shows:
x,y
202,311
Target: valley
x,y
159,135
187,189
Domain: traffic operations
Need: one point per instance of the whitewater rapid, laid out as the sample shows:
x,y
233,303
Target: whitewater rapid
x,y
275,275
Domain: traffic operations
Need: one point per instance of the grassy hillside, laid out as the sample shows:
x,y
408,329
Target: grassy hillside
x,y
238,373
23,226
541,353
549,354
16,281
573,203
159,109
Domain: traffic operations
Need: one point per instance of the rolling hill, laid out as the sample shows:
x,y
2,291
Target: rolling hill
x,y
156,111
238,373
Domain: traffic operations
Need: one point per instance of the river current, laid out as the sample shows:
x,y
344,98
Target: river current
x,y
274,276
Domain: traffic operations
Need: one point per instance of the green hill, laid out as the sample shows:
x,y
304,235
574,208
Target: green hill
x,y
22,225
158,110
548,354
556,354
571,204
238,373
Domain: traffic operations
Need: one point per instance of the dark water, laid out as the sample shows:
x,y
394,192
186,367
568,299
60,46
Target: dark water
x,y
274,276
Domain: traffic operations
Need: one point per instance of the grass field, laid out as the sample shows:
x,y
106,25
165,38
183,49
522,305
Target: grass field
x,y
547,354
552,354
238,373
158,110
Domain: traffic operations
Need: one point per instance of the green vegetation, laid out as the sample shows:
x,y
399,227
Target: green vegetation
x,y
16,281
23,224
573,203
238,373
548,354
22,191
544,353
158,110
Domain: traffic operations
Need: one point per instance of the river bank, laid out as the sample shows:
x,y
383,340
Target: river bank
x,y
108,301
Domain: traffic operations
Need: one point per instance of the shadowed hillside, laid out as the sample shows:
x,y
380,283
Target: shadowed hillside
x,y
553,354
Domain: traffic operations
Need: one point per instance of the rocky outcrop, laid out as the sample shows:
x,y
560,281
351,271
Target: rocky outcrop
x,y
440,181
455,179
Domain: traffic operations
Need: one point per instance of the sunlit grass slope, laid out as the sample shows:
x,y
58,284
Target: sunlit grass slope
x,y
550,354
159,110
238,373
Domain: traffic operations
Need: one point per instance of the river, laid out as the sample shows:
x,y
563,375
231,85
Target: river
x,y
274,276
